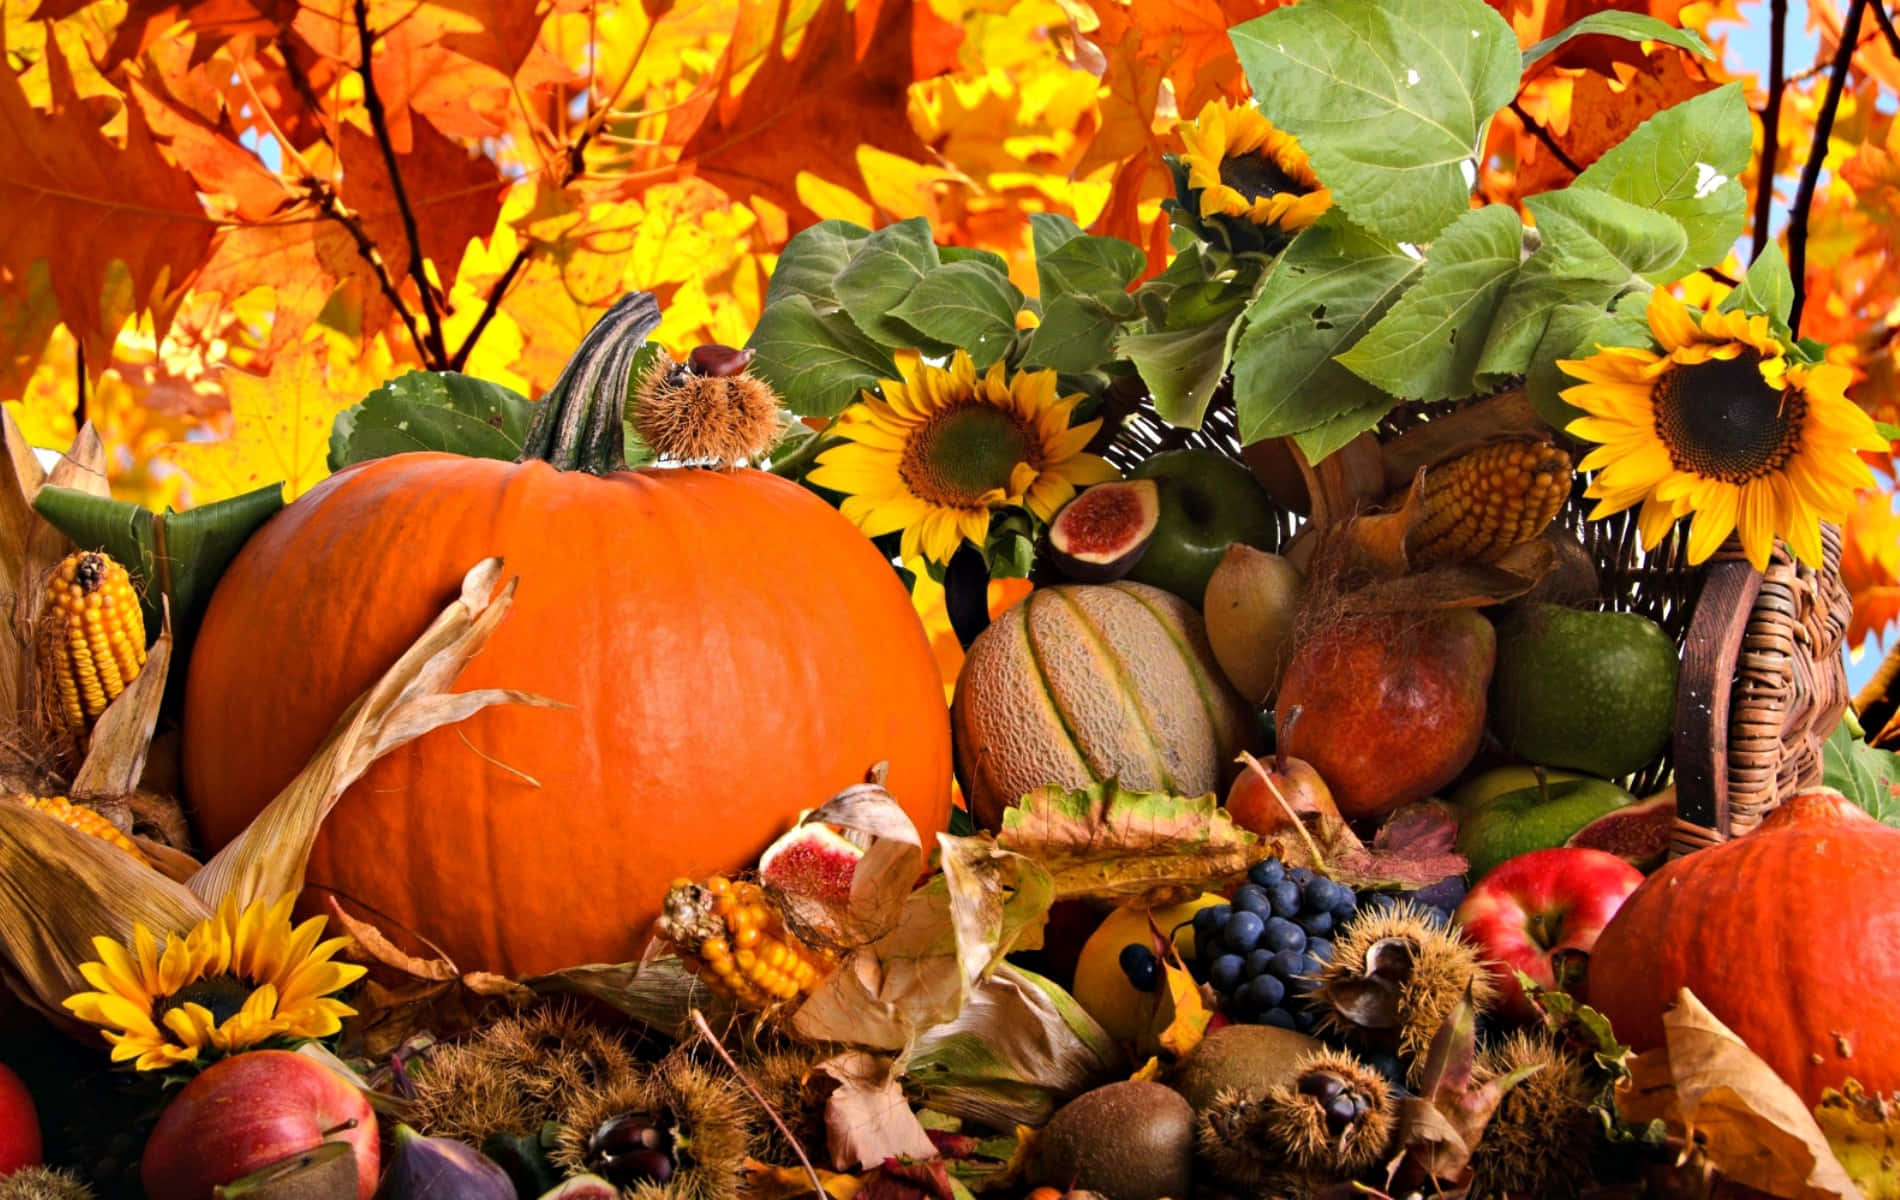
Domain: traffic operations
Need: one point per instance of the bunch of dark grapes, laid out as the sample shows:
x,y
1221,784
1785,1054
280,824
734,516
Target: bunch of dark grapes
x,y
1261,950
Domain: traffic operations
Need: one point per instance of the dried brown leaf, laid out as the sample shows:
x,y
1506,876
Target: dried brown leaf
x,y
883,878
661,993
20,479
1323,841
894,1180
1714,1091
867,1118
1457,585
370,943
764,1181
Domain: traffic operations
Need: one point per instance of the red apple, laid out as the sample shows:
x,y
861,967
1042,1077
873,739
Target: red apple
x,y
252,1110
19,1125
1540,913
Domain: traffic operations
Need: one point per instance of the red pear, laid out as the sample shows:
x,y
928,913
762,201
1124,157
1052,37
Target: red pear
x,y
1391,705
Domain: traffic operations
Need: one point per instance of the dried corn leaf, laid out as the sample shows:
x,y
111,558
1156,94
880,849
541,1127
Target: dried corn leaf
x,y
661,994
267,860
1107,842
1711,1089
115,754
20,477
60,888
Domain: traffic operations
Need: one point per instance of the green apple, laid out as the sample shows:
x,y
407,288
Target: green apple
x,y
1533,818
1208,502
1486,786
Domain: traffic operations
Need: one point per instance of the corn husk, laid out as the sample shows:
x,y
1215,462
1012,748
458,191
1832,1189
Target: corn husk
x,y
60,888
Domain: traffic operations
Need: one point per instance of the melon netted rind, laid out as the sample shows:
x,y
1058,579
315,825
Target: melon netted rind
x,y
1083,683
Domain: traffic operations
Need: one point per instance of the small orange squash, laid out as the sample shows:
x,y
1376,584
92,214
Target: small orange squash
x,y
733,649
1788,934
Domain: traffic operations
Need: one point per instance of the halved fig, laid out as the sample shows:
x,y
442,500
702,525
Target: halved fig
x,y
1101,534
1636,833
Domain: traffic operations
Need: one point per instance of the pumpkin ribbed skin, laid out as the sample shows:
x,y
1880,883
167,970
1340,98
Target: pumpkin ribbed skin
x,y
1084,683
1788,934
734,650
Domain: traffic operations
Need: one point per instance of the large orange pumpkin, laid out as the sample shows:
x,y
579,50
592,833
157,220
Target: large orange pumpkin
x,y
1788,934
734,650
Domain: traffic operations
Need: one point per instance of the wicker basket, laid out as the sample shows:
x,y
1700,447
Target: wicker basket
x,y
1763,680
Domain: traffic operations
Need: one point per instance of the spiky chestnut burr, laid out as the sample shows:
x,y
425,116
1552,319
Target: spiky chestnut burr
x,y
1395,975
1332,1117
681,1132
515,1075
44,1183
708,409
1539,1141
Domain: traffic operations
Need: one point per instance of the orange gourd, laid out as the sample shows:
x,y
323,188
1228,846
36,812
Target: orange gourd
x,y
1787,934
732,648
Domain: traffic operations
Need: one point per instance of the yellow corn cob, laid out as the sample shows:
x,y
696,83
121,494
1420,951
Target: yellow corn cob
x,y
85,820
1475,507
92,637
731,935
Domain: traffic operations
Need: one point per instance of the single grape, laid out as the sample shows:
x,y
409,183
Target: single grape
x,y
1265,991
1345,903
1280,1017
1251,898
1268,873
1310,968
1316,924
1223,975
1305,1019
1243,931
1317,896
1301,875
1287,964
1320,948
1285,897
1138,962
1257,962
1282,934
1208,922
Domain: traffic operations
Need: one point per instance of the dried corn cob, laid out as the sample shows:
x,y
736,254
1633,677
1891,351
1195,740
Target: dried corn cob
x,y
1478,505
92,640
83,819
732,935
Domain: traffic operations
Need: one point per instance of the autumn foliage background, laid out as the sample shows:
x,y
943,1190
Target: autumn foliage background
x,y
223,221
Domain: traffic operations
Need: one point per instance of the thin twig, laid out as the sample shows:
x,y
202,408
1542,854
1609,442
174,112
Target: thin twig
x,y
1771,122
1543,135
490,307
699,1019
1817,154
79,369
436,351
1886,27
1721,276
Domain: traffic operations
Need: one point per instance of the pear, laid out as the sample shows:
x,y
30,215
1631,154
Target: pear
x,y
1251,602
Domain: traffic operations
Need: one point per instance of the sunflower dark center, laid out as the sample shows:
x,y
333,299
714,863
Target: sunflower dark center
x,y
1722,420
960,453
1257,176
222,996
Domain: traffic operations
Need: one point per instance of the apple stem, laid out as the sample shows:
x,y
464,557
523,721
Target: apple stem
x,y
335,1129
1281,733
1543,783
1266,777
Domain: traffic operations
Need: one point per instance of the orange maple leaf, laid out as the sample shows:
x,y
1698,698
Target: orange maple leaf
x,y
76,198
1870,567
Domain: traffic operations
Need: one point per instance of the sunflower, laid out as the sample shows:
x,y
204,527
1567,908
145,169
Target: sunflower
x,y
942,447
1246,168
1721,424
236,979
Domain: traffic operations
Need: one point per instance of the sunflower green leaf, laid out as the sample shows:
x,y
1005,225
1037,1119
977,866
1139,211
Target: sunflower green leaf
x,y
819,362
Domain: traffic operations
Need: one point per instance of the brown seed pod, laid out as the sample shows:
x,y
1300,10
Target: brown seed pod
x,y
43,1183
1332,1118
1394,978
708,409
679,1133
515,1075
1539,1141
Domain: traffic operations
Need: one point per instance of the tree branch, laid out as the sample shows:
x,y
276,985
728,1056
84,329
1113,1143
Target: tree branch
x,y
490,307
1817,154
435,351
1887,31
1543,135
1771,123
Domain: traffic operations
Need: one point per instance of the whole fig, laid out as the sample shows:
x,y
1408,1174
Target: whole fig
x,y
435,1168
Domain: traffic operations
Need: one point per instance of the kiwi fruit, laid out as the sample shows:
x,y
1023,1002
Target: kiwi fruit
x,y
1128,1141
1239,1058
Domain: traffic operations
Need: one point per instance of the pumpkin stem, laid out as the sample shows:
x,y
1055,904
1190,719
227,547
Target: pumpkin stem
x,y
578,424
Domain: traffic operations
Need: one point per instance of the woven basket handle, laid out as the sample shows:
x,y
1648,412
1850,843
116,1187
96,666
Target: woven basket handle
x,y
1703,694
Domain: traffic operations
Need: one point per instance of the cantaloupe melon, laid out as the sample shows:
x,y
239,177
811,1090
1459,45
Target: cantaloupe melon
x,y
1083,683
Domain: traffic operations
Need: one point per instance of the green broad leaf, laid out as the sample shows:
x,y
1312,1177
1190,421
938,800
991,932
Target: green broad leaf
x,y
1389,99
1574,331
965,305
176,557
1632,27
1686,161
1183,367
812,259
818,361
1323,441
885,269
1868,777
1080,264
1593,247
1328,287
432,410
1766,289
1429,345
1074,337
988,258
